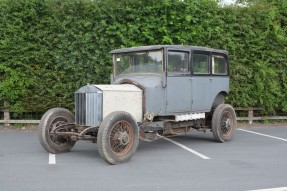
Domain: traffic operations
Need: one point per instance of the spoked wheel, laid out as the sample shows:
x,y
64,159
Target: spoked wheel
x,y
223,123
118,137
51,120
121,138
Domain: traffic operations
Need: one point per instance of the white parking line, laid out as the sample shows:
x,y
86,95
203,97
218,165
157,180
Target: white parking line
x,y
52,158
186,148
263,135
272,189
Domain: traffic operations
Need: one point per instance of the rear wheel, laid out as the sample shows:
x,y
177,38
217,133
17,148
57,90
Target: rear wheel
x,y
52,119
223,123
118,137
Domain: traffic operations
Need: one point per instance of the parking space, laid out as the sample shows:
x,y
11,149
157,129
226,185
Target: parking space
x,y
268,132
249,162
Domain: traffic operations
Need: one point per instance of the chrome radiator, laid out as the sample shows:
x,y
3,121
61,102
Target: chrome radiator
x,y
88,106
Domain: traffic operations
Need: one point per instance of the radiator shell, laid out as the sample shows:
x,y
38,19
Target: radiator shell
x,y
88,106
94,102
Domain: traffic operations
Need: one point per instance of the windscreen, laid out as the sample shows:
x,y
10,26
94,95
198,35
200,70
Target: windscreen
x,y
138,62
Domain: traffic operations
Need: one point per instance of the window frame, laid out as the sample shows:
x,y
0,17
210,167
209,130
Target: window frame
x,y
170,74
226,61
139,73
209,60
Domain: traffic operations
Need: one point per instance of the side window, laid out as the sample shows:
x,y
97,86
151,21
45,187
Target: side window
x,y
178,62
200,64
219,65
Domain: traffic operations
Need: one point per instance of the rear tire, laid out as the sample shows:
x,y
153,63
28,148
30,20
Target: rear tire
x,y
223,123
50,120
118,137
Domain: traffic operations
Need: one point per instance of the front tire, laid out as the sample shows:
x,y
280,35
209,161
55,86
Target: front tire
x,y
118,137
223,123
50,120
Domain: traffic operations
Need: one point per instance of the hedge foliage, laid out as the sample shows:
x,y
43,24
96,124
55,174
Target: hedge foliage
x,y
50,48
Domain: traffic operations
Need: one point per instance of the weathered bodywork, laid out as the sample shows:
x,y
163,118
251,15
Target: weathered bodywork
x,y
172,93
167,94
155,91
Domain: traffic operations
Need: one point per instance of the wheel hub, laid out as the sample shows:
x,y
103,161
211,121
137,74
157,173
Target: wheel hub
x,y
227,123
124,138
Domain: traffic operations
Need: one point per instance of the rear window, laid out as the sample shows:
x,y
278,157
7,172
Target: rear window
x,y
219,65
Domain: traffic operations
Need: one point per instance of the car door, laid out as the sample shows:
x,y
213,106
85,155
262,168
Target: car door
x,y
178,90
201,81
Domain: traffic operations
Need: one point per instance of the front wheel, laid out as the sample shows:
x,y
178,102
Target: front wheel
x,y
118,137
52,119
223,123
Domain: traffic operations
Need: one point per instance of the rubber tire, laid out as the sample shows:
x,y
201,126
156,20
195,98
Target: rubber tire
x,y
216,120
44,127
103,139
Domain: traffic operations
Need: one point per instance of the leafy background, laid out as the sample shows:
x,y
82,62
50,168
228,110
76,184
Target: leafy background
x,y
50,48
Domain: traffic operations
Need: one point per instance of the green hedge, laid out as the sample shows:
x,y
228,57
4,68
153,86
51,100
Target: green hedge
x,y
50,48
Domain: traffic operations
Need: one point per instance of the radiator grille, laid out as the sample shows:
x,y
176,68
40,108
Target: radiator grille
x,y
88,106
80,108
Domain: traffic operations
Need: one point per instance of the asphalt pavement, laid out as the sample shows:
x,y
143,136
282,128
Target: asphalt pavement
x,y
256,159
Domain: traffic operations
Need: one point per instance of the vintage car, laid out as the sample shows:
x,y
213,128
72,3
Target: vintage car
x,y
155,91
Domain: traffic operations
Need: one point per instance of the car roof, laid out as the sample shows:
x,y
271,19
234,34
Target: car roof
x,y
154,47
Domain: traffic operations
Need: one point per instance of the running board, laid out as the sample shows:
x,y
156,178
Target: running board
x,y
188,117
